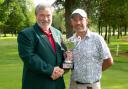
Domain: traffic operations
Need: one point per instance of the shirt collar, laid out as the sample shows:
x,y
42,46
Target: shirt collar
x,y
47,32
88,34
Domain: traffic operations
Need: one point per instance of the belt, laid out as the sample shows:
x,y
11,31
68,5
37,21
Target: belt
x,y
86,83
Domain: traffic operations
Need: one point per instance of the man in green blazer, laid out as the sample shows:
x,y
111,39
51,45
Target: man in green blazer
x,y
40,48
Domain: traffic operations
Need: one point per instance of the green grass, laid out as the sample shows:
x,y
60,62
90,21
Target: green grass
x,y
10,76
116,77
10,64
121,43
11,67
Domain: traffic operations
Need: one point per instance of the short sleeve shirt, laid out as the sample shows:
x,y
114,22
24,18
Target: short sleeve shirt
x,y
88,58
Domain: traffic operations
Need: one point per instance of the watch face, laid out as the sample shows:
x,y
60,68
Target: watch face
x,y
89,87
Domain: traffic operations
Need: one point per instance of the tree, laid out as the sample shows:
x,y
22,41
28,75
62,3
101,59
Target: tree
x,y
15,15
105,13
113,15
59,21
69,6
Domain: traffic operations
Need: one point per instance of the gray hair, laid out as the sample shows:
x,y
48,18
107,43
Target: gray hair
x,y
42,7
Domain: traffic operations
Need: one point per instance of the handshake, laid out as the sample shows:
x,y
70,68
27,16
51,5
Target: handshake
x,y
57,72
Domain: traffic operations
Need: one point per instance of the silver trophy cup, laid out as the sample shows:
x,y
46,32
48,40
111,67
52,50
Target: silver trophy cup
x,y
68,62
71,45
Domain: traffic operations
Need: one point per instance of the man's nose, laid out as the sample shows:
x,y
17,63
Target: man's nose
x,y
78,22
45,18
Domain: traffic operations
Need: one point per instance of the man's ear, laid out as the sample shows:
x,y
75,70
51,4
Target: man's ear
x,y
70,23
88,21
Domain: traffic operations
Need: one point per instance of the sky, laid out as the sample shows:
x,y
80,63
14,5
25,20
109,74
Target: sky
x,y
44,2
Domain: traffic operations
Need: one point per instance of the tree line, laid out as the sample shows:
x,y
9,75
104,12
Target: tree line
x,y
110,16
15,15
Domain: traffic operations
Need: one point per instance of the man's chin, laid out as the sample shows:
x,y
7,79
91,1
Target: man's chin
x,y
80,30
44,26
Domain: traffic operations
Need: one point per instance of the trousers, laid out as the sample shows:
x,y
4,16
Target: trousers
x,y
74,85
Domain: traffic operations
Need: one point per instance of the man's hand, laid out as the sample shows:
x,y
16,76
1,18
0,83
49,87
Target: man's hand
x,y
107,63
57,72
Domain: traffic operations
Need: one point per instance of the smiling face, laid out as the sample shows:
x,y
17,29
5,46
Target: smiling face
x,y
79,23
44,18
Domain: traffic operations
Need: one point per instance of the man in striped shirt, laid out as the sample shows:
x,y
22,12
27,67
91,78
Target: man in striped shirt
x,y
90,57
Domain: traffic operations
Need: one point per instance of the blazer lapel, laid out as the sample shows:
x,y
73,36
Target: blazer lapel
x,y
43,37
56,37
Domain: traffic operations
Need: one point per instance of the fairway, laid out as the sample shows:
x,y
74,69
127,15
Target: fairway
x,y
10,64
11,68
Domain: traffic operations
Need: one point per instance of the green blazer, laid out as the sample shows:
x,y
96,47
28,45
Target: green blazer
x,y
39,58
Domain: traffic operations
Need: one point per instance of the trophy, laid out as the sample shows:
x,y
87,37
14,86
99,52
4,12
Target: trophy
x,y
72,43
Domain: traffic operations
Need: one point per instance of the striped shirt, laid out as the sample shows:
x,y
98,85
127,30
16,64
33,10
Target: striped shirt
x,y
88,57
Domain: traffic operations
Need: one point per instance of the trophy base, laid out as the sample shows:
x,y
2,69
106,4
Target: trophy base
x,y
67,65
